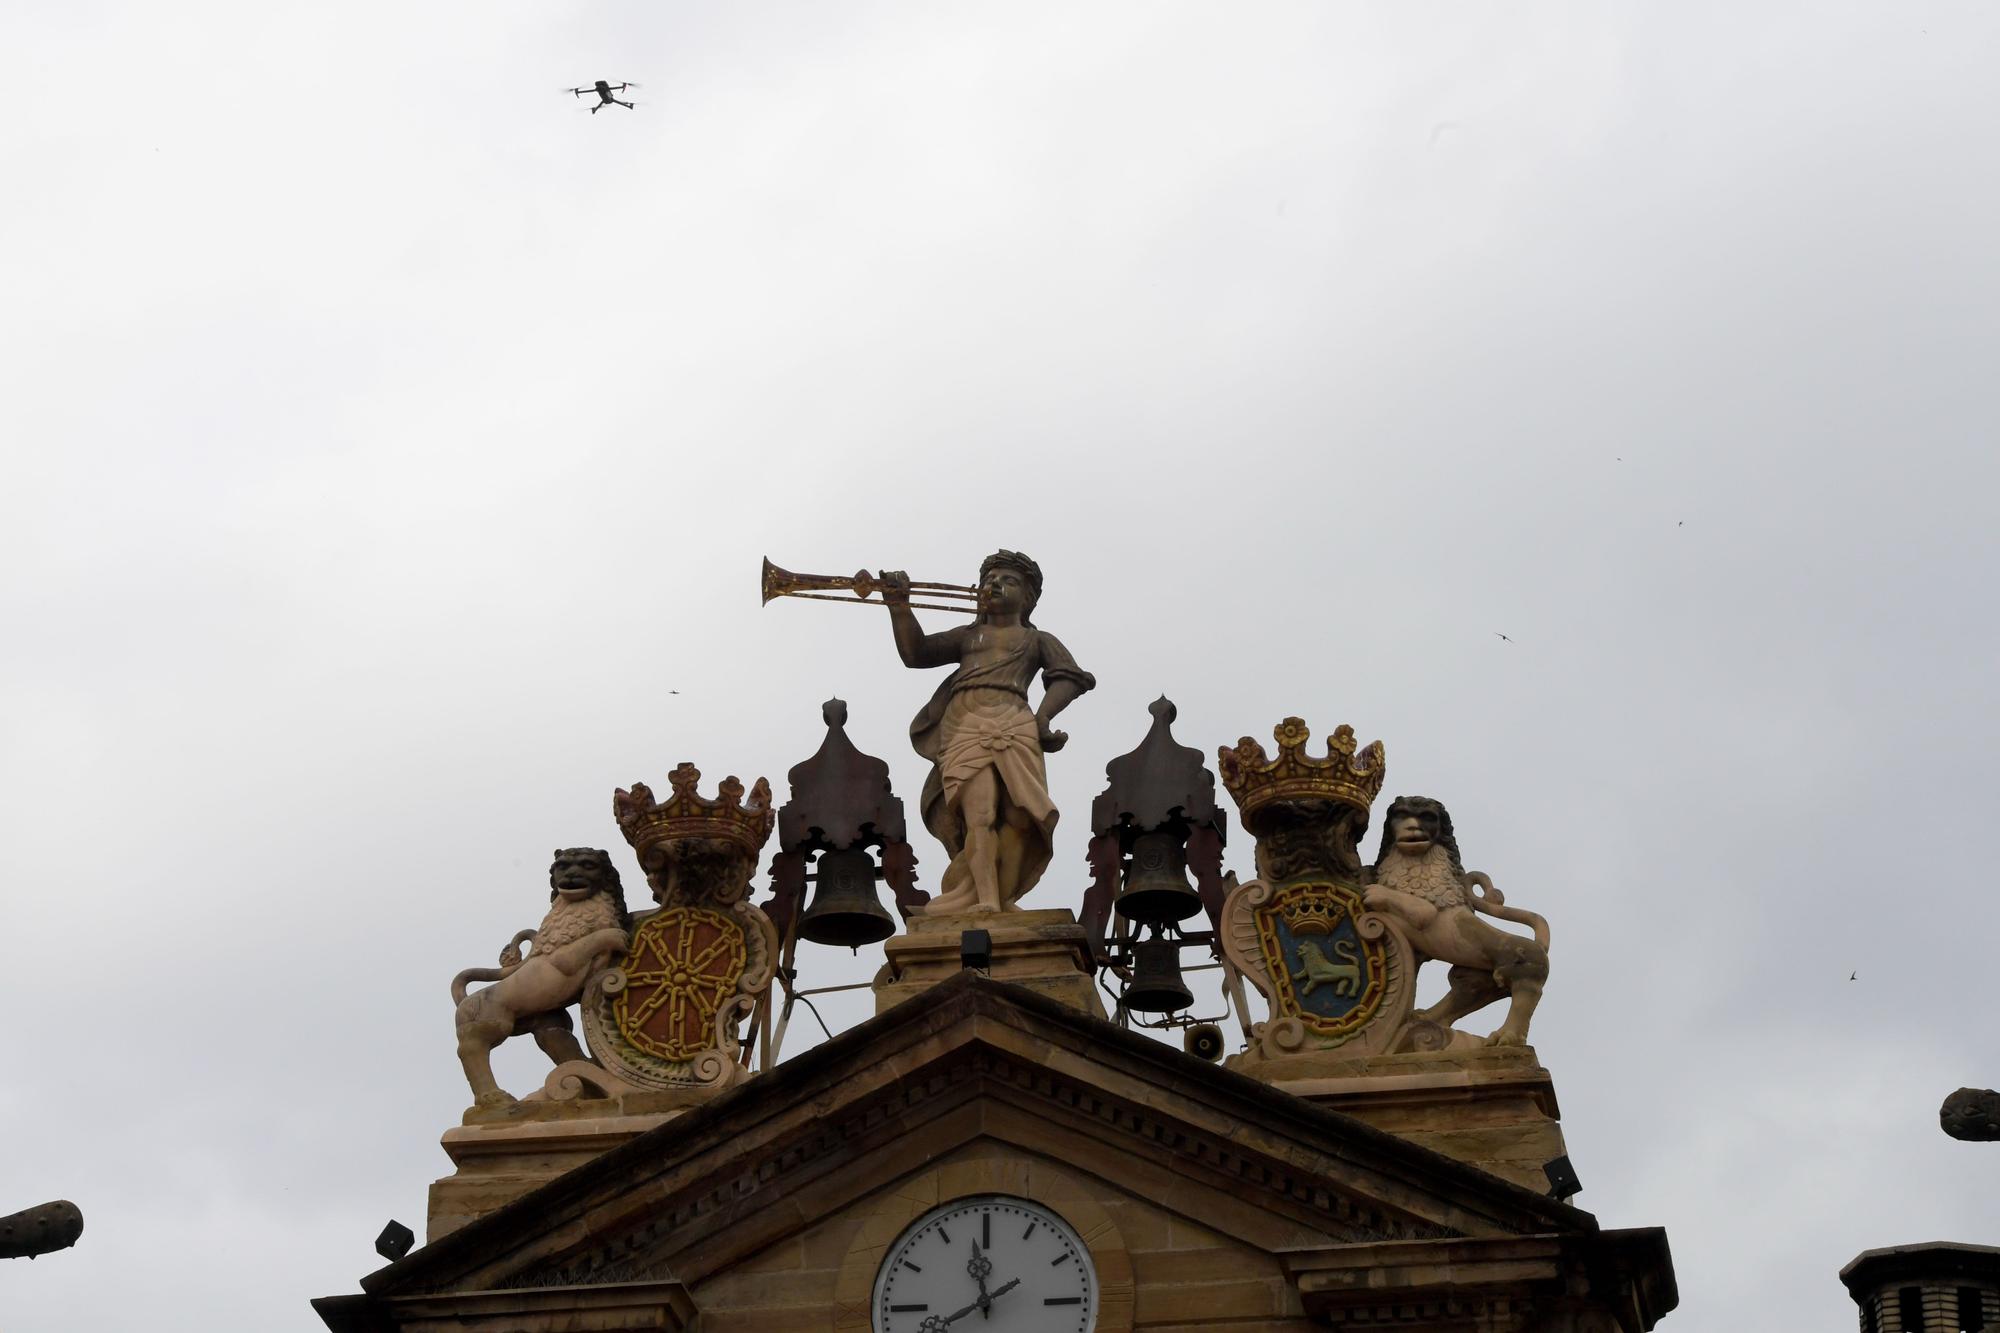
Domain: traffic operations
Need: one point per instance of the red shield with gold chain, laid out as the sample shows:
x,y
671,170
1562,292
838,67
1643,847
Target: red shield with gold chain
x,y
683,964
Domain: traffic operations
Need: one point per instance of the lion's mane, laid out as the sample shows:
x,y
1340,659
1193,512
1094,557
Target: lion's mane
x,y
1437,876
1418,805
569,921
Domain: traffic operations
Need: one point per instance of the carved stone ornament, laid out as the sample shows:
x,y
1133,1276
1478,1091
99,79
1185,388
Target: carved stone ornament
x,y
668,1017
1332,972
1334,945
531,993
1425,891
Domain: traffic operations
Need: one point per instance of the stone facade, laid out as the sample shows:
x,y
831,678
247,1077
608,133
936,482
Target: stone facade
x,y
1206,1198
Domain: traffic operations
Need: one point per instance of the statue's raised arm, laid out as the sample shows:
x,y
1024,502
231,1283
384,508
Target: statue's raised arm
x,y
987,797
916,648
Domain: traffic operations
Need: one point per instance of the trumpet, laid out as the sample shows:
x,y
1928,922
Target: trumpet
x,y
781,582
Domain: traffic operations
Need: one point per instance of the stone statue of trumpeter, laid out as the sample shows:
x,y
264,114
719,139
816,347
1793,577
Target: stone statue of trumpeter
x,y
987,796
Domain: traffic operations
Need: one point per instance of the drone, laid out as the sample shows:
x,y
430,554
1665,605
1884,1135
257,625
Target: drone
x,y
604,91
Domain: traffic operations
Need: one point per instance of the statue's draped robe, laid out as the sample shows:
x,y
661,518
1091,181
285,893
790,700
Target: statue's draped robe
x,y
978,719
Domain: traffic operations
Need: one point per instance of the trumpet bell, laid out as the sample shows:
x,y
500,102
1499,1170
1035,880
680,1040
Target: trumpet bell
x,y
781,582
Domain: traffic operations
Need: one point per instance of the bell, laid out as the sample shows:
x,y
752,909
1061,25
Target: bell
x,y
1156,889
845,909
1156,986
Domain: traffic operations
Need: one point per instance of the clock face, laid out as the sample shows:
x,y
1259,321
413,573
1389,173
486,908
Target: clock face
x,y
990,1263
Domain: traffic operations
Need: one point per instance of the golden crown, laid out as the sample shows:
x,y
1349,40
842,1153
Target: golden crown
x,y
648,824
1312,918
1350,772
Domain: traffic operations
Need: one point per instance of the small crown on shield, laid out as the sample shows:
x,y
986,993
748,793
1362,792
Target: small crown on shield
x,y
1311,918
1350,772
648,824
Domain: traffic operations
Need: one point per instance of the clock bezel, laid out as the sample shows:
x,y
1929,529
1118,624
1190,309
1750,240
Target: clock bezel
x,y
1047,1213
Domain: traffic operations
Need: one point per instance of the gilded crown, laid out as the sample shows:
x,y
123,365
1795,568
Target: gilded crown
x,y
1311,918
649,824
1349,773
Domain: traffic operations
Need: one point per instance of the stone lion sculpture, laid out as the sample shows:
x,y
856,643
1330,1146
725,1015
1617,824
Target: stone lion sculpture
x,y
1420,883
586,927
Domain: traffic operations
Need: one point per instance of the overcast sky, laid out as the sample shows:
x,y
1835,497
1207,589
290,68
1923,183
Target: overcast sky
x,y
386,437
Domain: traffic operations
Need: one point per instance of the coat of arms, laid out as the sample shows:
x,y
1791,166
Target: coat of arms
x,y
684,963
1321,965
669,1016
1334,972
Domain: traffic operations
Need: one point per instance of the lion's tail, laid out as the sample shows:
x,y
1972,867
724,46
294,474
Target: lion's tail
x,y
472,974
1490,901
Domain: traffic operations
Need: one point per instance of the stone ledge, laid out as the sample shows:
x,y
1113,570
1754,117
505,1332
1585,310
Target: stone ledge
x,y
499,1161
1492,1107
591,1135
1043,951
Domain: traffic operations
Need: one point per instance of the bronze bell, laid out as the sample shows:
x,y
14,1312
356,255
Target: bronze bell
x,y
845,909
1156,986
1156,890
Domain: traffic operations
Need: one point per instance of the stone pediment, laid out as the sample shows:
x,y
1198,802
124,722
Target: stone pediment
x,y
805,1174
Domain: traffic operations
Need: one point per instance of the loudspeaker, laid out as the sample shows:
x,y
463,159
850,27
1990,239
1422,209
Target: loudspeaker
x,y
1204,1042
395,1241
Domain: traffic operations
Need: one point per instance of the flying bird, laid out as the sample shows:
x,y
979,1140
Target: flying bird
x,y
1853,976
1437,130
1503,636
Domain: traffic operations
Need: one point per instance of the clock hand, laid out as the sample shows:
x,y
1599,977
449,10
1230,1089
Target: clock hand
x,y
957,1315
1000,1290
979,1267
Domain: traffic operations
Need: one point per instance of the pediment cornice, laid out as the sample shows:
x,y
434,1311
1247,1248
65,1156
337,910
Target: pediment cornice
x,y
972,1058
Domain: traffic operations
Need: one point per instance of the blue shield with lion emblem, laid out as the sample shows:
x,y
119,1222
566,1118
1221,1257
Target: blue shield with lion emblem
x,y
1324,973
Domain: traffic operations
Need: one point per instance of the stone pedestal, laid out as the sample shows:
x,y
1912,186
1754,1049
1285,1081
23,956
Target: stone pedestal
x,y
1493,1107
1044,951
502,1155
